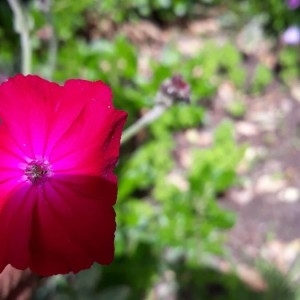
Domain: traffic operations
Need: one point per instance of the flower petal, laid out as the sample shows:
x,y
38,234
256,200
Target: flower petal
x,y
74,225
76,95
15,227
96,126
27,107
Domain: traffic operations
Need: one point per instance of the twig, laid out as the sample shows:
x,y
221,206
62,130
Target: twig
x,y
21,26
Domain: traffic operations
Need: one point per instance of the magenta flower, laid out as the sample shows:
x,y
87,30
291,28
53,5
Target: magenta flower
x,y
293,4
58,149
291,36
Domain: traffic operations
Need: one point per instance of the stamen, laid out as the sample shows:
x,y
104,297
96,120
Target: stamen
x,y
37,171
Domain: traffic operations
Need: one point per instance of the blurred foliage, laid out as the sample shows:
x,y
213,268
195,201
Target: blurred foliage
x,y
168,213
289,64
162,11
278,15
236,108
281,286
261,78
207,283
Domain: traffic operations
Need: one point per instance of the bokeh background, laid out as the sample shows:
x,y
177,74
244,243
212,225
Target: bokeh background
x,y
208,204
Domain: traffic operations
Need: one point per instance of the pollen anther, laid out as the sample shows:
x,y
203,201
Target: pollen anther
x,y
37,171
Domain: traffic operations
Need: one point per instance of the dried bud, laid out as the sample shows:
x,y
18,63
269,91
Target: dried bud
x,y
176,88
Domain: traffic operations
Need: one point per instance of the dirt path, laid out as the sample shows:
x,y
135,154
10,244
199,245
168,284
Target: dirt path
x,y
267,203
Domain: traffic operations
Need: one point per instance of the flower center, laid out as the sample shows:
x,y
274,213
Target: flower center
x,y
37,171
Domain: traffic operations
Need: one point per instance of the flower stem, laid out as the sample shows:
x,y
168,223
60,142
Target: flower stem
x,y
162,103
52,50
53,41
21,26
147,119
172,90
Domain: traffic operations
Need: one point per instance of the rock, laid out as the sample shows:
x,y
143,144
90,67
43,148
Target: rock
x,y
267,184
289,194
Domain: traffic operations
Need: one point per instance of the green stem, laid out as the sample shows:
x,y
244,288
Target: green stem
x,y
147,119
162,104
53,44
21,25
